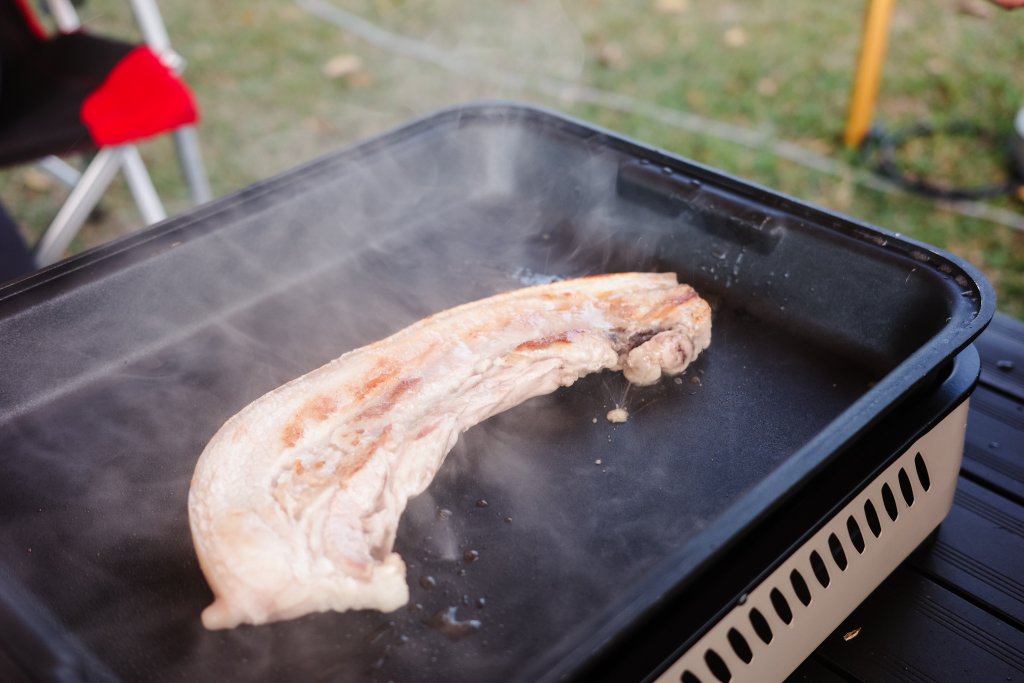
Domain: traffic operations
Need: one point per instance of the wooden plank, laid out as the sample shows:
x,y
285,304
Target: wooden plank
x,y
914,630
994,452
978,551
1002,355
816,669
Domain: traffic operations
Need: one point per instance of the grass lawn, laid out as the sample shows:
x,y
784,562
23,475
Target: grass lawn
x,y
757,89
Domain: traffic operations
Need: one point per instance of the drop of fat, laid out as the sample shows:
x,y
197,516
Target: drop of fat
x,y
617,415
447,622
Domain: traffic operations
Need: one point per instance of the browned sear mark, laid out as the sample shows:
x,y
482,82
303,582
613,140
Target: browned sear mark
x,y
388,402
300,469
668,306
346,470
426,430
291,434
374,382
318,409
545,342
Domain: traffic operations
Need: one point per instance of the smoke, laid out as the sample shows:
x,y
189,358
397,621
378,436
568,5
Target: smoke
x,y
510,43
529,38
140,364
112,388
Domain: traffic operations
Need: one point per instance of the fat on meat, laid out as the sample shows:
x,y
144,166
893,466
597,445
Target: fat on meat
x,y
295,502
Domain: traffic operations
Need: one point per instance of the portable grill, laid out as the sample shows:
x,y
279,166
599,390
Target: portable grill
x,y
718,535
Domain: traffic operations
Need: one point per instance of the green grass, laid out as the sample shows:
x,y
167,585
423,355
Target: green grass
x,y
783,69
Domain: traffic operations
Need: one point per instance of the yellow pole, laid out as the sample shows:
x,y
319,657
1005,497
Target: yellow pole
x,y
869,71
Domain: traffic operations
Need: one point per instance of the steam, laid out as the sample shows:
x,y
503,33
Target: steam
x,y
529,38
152,358
510,43
169,348
564,85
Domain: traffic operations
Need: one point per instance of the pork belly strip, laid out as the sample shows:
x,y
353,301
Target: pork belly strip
x,y
295,502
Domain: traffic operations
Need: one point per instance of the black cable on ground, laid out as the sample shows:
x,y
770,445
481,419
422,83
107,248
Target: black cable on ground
x,y
886,145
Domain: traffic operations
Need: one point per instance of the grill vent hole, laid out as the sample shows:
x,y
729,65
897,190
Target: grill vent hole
x,y
856,537
781,606
905,488
820,570
761,627
872,517
717,666
740,646
838,554
889,500
688,677
922,472
803,593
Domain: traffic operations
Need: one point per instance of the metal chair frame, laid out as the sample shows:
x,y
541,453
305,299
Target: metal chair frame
x,y
88,186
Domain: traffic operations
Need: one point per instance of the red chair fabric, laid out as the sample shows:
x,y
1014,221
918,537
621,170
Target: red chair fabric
x,y
76,91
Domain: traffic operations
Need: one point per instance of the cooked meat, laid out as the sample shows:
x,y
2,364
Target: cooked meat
x,y
296,500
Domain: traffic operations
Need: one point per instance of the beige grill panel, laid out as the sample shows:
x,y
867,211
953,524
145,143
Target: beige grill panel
x,y
788,615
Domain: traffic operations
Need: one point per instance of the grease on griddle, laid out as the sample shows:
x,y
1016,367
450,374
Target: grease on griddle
x,y
447,622
428,582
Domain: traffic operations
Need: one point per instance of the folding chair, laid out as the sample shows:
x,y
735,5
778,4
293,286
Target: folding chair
x,y
74,92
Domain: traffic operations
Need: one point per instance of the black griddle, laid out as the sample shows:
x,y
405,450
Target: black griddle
x,y
119,364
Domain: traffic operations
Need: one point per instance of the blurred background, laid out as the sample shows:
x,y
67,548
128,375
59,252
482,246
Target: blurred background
x,y
756,89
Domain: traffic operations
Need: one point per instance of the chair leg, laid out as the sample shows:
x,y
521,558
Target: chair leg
x,y
141,186
61,170
151,25
95,180
64,15
187,144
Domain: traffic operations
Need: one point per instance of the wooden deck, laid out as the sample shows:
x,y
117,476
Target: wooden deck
x,y
954,611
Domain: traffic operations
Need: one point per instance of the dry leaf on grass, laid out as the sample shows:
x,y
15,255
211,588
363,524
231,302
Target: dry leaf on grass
x,y
341,66
767,86
672,6
975,8
36,180
735,37
611,55
360,79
